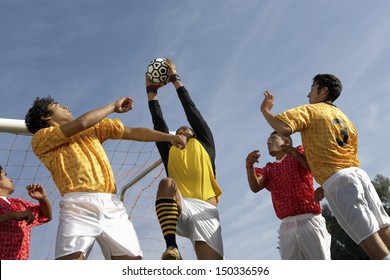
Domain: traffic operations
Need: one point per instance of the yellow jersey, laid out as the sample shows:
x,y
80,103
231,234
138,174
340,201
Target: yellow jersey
x,y
192,171
78,163
328,136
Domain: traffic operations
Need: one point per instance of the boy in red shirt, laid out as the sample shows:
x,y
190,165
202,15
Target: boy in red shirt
x,y
18,216
302,233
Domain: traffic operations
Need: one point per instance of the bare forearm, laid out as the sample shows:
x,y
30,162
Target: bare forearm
x,y
7,217
87,120
177,84
152,95
46,208
93,117
145,135
256,184
276,124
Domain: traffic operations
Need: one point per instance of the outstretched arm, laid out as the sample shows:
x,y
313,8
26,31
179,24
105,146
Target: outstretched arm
x,y
194,117
157,119
150,135
273,121
93,117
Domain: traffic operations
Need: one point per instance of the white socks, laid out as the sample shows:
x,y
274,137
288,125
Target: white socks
x,y
387,258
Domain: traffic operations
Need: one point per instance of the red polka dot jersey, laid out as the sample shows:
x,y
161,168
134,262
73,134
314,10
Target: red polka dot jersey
x,y
15,235
291,187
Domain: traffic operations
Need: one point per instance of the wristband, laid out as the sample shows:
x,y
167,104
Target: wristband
x,y
174,77
152,88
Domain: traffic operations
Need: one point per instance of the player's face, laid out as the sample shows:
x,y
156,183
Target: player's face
x,y
6,183
314,94
274,144
185,131
60,114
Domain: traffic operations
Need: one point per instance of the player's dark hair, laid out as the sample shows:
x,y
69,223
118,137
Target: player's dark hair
x,y
187,127
331,82
39,109
283,137
1,170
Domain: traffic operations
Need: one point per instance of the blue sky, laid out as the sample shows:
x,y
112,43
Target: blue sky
x,y
228,52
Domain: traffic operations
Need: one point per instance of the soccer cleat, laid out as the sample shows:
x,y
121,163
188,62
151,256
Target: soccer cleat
x,y
171,253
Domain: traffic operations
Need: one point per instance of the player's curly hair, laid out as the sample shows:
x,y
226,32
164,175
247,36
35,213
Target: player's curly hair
x,y
39,109
331,82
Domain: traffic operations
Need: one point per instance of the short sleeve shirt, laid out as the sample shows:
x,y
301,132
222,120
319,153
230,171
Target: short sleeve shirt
x,y
78,163
291,187
15,235
329,137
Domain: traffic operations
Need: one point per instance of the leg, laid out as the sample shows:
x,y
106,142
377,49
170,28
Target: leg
x,y
205,252
200,223
74,256
168,205
74,239
384,233
374,247
288,243
118,239
314,239
167,188
79,256
358,209
126,258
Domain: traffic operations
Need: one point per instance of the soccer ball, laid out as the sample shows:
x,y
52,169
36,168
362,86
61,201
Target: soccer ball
x,y
157,71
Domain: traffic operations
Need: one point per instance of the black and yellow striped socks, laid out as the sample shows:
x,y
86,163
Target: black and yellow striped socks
x,y
167,215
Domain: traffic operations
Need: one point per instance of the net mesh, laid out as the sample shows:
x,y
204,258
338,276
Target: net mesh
x,y
128,159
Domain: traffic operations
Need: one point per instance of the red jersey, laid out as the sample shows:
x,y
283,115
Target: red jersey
x,y
291,187
15,235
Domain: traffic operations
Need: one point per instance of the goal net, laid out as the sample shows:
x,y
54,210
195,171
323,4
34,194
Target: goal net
x,y
137,171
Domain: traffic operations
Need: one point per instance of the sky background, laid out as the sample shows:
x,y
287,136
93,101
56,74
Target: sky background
x,y
228,52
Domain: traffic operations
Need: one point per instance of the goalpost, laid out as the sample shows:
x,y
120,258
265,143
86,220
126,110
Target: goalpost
x,y
137,169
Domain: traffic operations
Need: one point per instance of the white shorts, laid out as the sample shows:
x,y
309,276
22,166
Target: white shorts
x,y
199,221
304,237
89,217
355,203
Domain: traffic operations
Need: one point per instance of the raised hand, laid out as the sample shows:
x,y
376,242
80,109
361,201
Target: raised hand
x,y
151,86
252,158
123,105
172,67
179,141
268,102
289,150
36,191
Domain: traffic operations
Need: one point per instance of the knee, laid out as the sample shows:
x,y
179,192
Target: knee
x,y
166,187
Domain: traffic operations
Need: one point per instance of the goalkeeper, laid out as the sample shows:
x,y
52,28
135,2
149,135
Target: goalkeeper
x,y
186,202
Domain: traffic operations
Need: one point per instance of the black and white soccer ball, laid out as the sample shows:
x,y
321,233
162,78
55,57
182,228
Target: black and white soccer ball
x,y
157,71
